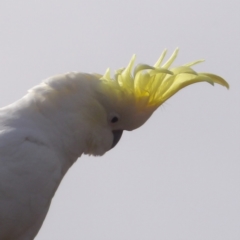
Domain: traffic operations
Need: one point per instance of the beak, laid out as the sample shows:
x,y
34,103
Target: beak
x,y
116,137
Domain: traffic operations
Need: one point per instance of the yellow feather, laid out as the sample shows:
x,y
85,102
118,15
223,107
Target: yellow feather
x,y
149,86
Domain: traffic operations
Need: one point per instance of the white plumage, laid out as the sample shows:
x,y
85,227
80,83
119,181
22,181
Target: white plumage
x,y
41,136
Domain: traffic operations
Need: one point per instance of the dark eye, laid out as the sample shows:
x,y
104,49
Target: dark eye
x,y
114,119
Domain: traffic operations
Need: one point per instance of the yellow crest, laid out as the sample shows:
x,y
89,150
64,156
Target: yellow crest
x,y
150,86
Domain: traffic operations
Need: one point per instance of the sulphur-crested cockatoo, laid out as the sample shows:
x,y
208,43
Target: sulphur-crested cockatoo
x,y
43,134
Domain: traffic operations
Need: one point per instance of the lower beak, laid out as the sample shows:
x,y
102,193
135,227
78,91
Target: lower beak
x,y
116,137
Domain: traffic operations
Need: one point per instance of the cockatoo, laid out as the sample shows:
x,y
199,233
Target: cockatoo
x,y
45,132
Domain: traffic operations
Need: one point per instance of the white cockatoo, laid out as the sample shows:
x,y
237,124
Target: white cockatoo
x,y
45,132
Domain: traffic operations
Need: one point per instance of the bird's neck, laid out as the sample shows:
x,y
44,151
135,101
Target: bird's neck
x,y
66,115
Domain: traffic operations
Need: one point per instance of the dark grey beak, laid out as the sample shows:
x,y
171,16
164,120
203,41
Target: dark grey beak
x,y
116,137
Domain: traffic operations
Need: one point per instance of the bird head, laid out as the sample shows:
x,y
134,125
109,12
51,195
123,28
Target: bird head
x,y
133,94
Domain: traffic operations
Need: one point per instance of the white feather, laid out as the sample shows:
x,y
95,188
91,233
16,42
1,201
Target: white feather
x,y
41,136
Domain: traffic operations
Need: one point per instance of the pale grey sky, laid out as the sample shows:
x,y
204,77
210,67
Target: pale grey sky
x,y
177,177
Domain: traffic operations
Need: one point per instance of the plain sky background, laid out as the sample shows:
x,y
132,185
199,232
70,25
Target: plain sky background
x,y
178,176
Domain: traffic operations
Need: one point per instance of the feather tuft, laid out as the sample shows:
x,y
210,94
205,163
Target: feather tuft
x,y
151,86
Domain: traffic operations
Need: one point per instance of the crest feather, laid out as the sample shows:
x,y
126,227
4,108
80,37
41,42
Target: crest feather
x,y
150,86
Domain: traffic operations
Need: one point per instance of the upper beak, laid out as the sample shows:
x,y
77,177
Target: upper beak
x,y
116,137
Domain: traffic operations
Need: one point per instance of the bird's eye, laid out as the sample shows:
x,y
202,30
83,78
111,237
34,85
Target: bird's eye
x,y
113,118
